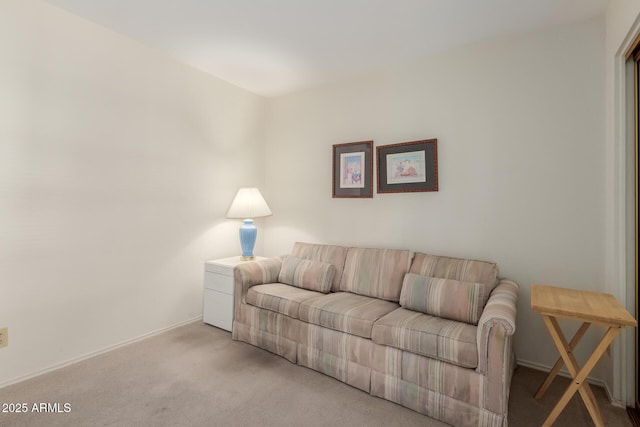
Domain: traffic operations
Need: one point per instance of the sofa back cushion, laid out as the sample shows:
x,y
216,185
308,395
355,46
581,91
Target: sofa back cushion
x,y
446,298
376,273
334,255
463,270
307,274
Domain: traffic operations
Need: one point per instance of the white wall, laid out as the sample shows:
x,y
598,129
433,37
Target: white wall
x,y
117,165
520,128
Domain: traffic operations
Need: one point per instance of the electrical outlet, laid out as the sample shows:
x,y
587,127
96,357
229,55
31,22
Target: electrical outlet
x,y
4,337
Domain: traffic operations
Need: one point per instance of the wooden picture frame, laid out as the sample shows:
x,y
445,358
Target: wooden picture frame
x,y
353,169
408,167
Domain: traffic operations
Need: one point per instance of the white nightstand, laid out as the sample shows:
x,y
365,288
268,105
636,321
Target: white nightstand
x,y
218,291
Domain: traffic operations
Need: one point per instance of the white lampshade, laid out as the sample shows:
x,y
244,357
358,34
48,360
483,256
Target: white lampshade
x,y
248,203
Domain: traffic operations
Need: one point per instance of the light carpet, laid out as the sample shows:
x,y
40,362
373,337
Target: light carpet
x,y
196,375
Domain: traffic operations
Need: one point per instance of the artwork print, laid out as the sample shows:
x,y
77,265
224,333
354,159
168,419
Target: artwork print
x,y
406,167
352,170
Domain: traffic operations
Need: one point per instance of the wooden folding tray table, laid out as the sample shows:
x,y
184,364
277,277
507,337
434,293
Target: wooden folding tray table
x,y
588,307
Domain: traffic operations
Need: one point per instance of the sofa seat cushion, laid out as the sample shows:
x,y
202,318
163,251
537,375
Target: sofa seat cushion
x,y
345,312
278,297
446,340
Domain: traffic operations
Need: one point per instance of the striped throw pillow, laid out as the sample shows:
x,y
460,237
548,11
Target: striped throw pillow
x,y
446,298
307,274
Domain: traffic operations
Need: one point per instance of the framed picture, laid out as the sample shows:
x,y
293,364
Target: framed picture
x,y
408,166
353,169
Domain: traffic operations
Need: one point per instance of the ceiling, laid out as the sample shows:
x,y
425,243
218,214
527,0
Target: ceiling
x,y
274,47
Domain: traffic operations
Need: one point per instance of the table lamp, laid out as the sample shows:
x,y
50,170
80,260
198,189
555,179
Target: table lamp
x,y
248,204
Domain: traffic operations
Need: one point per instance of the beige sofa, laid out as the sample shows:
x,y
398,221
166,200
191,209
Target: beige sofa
x,y
430,333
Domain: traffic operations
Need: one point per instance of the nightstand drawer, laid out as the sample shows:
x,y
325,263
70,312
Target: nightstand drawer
x,y
218,282
218,309
226,270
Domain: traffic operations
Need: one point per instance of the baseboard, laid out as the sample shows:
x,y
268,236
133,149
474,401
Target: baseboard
x,y
564,373
615,402
97,352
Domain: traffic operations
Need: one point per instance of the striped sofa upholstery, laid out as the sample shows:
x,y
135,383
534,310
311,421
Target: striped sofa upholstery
x,y
378,328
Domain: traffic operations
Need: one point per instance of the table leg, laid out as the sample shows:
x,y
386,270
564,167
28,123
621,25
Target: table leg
x,y
579,375
559,363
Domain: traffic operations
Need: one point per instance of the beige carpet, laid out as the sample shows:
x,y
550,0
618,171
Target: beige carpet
x,y
196,375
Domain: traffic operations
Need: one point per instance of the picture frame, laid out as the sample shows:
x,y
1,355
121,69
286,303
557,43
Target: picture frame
x,y
353,169
408,167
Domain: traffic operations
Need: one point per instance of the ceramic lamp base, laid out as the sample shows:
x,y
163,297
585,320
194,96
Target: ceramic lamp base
x,y
248,233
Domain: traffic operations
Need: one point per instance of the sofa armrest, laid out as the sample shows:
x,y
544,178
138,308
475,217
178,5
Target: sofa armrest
x,y
253,273
496,360
498,321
